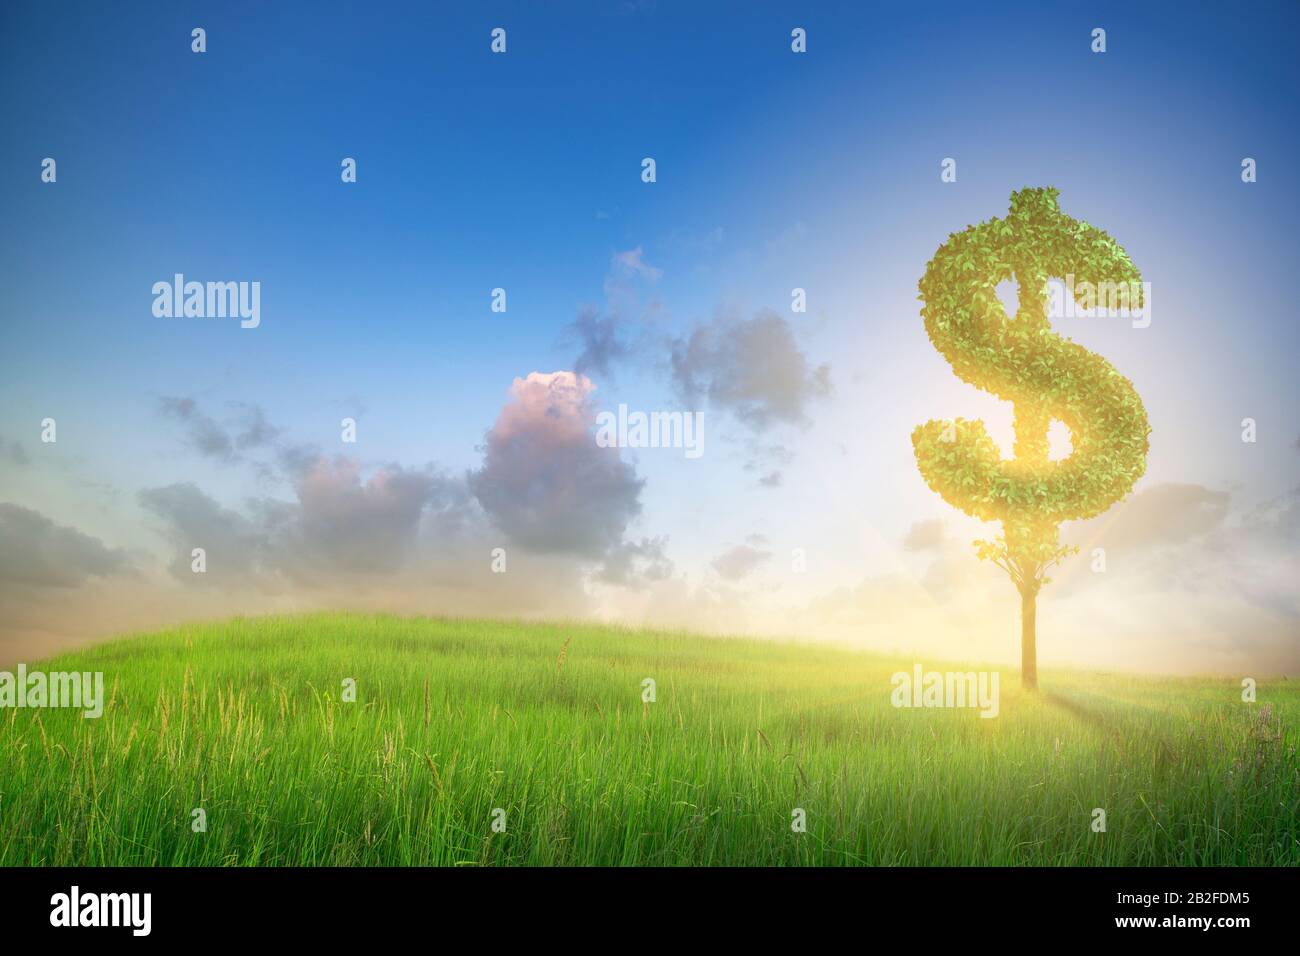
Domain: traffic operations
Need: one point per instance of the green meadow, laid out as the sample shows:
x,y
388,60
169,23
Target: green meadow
x,y
542,730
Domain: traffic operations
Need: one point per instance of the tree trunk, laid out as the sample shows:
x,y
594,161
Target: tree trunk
x,y
1028,639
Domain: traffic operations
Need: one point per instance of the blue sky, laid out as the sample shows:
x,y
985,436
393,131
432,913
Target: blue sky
x,y
522,171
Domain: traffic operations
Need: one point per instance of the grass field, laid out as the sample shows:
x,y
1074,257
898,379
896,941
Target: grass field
x,y
455,719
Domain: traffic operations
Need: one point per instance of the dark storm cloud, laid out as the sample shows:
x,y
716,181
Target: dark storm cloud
x,y
750,367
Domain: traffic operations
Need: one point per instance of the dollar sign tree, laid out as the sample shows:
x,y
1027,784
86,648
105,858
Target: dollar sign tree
x,y
1044,375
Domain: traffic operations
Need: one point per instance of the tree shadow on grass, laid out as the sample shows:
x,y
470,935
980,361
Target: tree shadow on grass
x,y
1090,715
1118,727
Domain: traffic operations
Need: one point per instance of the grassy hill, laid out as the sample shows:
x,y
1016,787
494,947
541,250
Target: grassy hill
x,y
454,720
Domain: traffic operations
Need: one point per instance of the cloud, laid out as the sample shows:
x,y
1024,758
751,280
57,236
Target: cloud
x,y
205,435
544,481
235,548
14,452
602,340
346,541
632,262
924,536
347,524
750,367
1189,585
249,428
741,561
296,459
340,524
1164,514
1278,520
38,552
544,487
1216,596
254,430
606,337
350,536
632,563
768,459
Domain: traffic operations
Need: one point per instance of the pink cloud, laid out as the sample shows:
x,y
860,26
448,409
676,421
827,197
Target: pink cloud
x,y
544,481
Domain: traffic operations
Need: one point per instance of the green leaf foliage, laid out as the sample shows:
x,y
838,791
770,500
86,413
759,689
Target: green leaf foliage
x,y
1045,375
